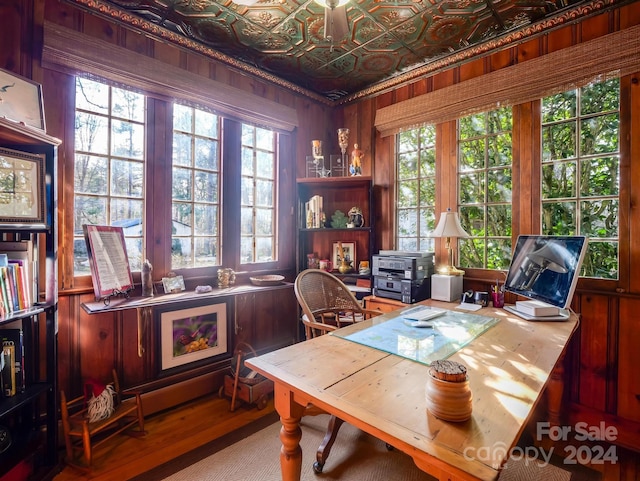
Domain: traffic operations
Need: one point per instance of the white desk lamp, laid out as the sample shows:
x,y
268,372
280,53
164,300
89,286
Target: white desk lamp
x,y
449,226
447,284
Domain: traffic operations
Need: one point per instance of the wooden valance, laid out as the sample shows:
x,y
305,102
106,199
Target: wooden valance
x,y
76,53
613,55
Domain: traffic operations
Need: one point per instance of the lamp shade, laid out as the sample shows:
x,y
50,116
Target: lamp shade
x,y
449,226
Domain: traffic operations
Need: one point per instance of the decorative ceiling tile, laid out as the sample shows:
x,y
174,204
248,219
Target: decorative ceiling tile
x,y
389,40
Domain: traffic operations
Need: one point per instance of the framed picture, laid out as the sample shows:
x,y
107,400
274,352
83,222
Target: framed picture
x,y
173,284
108,260
22,195
21,100
349,249
192,334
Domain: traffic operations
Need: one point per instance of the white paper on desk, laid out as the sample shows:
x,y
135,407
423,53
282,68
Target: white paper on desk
x,y
467,306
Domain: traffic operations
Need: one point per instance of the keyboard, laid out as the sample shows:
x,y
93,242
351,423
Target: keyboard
x,y
422,313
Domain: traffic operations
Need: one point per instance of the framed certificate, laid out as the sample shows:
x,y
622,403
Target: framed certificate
x,y
107,252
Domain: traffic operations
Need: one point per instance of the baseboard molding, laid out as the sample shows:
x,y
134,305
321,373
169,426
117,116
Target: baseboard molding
x,y
179,393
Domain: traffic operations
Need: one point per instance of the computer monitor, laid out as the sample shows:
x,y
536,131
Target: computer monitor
x,y
546,268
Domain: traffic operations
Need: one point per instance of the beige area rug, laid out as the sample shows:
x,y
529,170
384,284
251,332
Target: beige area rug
x,y
356,456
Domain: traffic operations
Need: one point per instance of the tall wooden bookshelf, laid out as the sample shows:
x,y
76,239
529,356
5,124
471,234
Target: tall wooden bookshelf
x,y
29,417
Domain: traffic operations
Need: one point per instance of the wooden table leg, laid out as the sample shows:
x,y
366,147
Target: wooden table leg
x,y
555,392
290,434
290,453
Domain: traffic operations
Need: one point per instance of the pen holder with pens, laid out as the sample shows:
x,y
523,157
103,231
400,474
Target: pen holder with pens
x,y
497,297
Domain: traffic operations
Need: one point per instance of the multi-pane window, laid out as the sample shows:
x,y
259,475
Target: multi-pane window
x,y
195,192
581,173
258,242
109,164
484,188
416,188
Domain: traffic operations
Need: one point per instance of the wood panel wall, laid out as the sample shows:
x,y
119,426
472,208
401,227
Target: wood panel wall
x,y
603,382
601,362
89,345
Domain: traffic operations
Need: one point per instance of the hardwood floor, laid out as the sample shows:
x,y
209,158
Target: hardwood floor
x,y
172,434
169,435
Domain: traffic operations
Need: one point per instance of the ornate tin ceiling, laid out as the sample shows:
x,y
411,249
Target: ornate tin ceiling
x,y
389,41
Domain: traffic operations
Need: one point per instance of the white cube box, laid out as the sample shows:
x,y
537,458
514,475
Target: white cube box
x,y
446,288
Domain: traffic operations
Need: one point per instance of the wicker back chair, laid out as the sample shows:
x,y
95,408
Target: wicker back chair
x,y
327,303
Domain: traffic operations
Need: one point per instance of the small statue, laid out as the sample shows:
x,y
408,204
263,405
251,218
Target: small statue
x,y
147,279
355,217
356,161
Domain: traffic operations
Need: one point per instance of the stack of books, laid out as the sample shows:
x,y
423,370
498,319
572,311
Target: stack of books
x,y
17,277
314,213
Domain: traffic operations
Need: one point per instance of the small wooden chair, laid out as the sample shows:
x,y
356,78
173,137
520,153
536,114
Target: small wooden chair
x,y
327,304
82,436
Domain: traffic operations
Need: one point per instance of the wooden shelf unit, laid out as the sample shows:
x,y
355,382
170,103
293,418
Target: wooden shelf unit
x,y
338,193
31,415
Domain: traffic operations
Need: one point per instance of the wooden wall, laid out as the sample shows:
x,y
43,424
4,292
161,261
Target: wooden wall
x,y
603,381
89,345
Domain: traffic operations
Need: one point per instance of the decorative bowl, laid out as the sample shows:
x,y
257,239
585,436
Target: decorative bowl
x,y
267,280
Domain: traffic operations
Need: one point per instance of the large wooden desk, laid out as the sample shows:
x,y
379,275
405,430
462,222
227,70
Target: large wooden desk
x,y
384,394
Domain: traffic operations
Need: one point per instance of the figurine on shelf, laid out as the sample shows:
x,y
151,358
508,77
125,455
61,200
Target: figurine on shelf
x,y
343,141
356,161
356,219
147,279
316,150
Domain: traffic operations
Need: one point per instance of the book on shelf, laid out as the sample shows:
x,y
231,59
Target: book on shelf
x,y
7,304
13,374
17,276
314,212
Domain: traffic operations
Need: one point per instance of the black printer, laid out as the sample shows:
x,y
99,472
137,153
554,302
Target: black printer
x,y
402,275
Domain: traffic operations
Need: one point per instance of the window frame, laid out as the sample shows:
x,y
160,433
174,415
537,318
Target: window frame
x,y
192,169
485,137
419,178
158,144
526,198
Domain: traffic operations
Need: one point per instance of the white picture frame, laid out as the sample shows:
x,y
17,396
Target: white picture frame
x,y
349,249
205,325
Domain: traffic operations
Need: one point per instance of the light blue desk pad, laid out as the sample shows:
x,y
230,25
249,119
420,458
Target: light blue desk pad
x,y
450,332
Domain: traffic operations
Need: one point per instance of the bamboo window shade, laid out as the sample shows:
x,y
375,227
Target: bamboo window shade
x,y
610,56
75,53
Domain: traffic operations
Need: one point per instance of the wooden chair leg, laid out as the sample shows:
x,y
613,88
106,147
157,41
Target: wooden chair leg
x,y
86,443
325,448
140,414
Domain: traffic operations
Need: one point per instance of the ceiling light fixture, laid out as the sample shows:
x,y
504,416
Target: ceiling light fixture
x,y
246,3
331,4
336,24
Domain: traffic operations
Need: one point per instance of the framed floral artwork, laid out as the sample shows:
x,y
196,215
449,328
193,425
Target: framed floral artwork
x,y
192,334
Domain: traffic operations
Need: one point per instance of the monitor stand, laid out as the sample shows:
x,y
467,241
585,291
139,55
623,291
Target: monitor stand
x,y
562,315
